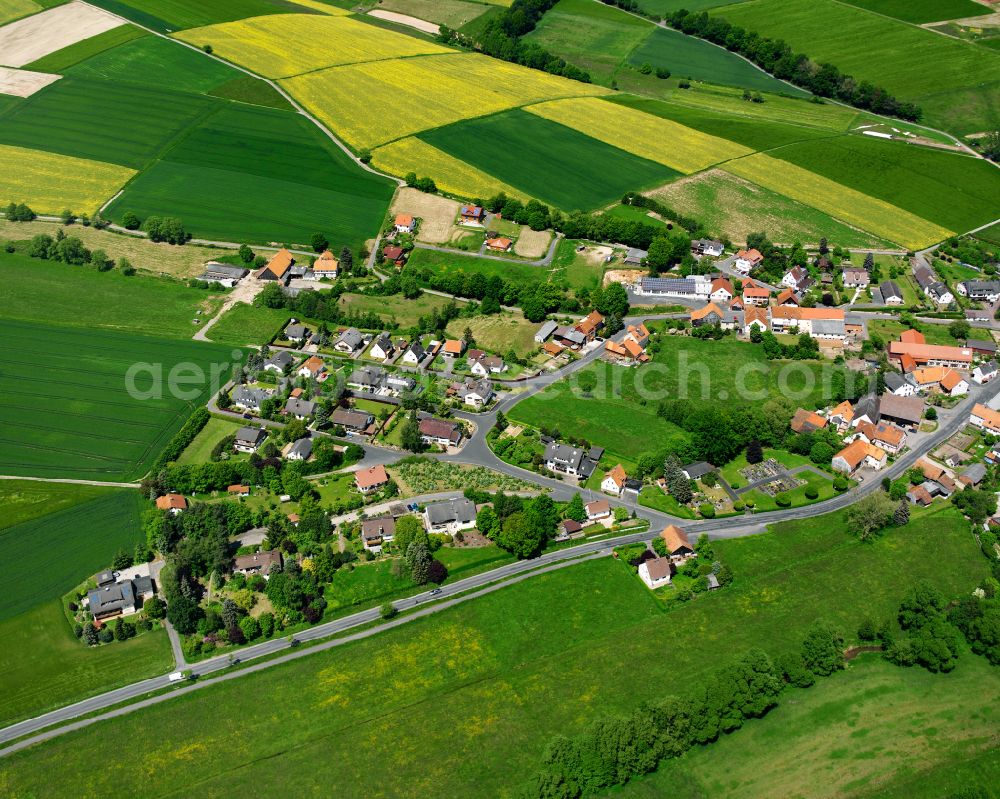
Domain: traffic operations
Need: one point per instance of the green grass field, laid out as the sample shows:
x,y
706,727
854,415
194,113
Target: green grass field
x,y
690,57
394,309
498,332
959,94
872,730
734,207
91,414
617,418
453,13
46,667
200,449
248,89
434,261
955,191
935,334
546,160
248,324
165,16
25,500
43,291
62,60
505,672
921,11
51,554
231,178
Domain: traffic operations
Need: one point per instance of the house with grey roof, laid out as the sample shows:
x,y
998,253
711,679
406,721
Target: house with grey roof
x,y
546,330
300,450
973,475
693,287
891,293
984,372
299,408
369,379
414,354
116,595
349,341
279,362
250,399
896,384
382,347
981,290
569,460
248,439
352,420
297,332
475,393
450,516
635,256
223,274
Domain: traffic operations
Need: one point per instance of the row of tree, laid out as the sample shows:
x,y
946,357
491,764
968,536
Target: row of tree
x,y
776,56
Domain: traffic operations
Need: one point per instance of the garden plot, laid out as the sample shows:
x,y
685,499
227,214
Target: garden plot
x,y
436,214
406,19
32,38
22,83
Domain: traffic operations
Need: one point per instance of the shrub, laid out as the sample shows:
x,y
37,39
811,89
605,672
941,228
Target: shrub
x,y
812,492
840,483
782,500
738,506
387,611
707,510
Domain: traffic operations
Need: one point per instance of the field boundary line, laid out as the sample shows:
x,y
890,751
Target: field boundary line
x,y
71,481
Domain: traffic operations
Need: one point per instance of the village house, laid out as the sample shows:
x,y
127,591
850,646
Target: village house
x,y
598,511
472,215
249,439
701,247
118,596
982,348
472,392
984,372
405,223
382,348
721,290
755,294
454,347
804,421
394,254
484,365
985,418
797,279
884,435
614,481
262,563
787,297
896,384
326,266
440,432
857,454
913,353
279,362
679,548
755,317
376,532
313,367
638,333
841,416
747,261
569,460
250,399
709,315
297,333
552,349
349,342
891,293
370,480
697,470
567,528
499,244
656,572
299,408
278,267
932,287
301,450
980,290
569,337
856,277
172,503
590,325
414,354
451,516
818,323
694,287
367,379
352,420
866,409
904,411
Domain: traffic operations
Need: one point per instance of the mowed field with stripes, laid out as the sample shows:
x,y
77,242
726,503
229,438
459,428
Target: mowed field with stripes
x,y
71,410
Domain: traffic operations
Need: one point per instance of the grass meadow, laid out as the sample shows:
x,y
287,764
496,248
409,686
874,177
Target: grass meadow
x,y
958,94
25,500
62,60
921,11
165,16
78,417
200,449
15,9
617,417
49,555
38,292
506,672
690,57
453,13
552,162
734,207
246,324
499,332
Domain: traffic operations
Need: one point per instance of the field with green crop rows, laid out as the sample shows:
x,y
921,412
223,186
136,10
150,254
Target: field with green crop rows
x,y
25,500
165,16
62,60
956,83
49,555
921,11
549,161
104,404
505,672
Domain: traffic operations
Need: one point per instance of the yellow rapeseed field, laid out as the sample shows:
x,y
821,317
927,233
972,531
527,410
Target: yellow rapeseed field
x,y
868,213
326,8
661,140
50,183
374,103
15,9
280,45
451,175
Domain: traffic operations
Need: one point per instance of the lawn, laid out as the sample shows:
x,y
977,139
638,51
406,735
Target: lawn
x,y
47,667
200,449
621,414
25,500
955,191
499,332
249,324
935,334
797,497
733,207
653,497
224,179
394,309
445,262
690,57
843,202
49,555
106,403
47,291
592,36
424,92
959,94
165,16
554,163
653,137
873,730
505,672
